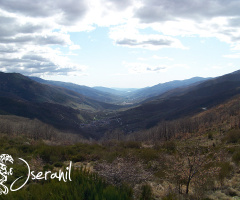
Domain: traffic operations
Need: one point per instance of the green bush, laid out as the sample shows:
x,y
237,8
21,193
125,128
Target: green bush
x,y
146,193
131,144
233,136
160,174
51,154
225,170
47,167
210,135
84,186
170,146
148,154
170,196
58,164
236,156
79,158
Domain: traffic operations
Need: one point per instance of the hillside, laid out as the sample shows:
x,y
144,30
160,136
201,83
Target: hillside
x,y
146,164
123,96
192,100
17,86
197,128
60,107
69,110
99,95
156,90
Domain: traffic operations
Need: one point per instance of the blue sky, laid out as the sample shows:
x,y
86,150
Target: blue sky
x,y
128,43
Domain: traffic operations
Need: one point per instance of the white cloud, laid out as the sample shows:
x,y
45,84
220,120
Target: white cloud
x,y
234,56
38,61
131,37
74,47
161,57
163,10
26,42
67,11
204,18
31,30
143,67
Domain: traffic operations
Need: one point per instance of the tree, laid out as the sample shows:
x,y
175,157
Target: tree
x,y
191,164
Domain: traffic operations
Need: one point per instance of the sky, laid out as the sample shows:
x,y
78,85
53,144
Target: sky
x,y
119,43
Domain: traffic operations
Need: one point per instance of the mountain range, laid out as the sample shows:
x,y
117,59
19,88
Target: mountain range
x,y
93,93
122,95
91,112
181,102
60,107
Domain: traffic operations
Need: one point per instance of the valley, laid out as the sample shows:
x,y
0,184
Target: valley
x,y
83,110
143,149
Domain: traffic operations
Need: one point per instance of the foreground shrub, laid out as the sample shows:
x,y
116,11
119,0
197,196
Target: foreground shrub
x,y
84,186
233,136
146,193
236,156
225,171
170,146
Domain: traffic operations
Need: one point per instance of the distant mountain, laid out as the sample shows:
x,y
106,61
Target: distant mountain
x,y
148,92
71,111
113,91
17,86
122,96
93,93
186,102
60,107
125,89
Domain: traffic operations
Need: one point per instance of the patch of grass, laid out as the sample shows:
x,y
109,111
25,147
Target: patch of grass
x,y
170,196
58,164
148,154
84,186
79,157
47,167
131,145
160,174
170,146
146,193
210,135
232,136
225,170
236,156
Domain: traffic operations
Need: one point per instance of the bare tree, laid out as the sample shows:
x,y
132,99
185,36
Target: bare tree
x,y
191,164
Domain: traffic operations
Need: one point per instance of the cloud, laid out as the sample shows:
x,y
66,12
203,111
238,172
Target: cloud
x,y
131,37
38,39
4,49
152,42
38,61
204,18
117,5
161,57
164,10
139,68
26,42
67,11
31,31
155,69
40,66
233,56
74,47
143,43
10,26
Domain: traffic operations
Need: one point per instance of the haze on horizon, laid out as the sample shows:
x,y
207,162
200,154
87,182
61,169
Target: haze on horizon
x,y
123,44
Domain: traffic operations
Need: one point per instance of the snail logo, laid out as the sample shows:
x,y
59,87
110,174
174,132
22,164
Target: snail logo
x,y
4,173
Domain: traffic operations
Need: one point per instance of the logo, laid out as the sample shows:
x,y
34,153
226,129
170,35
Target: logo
x,y
4,173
